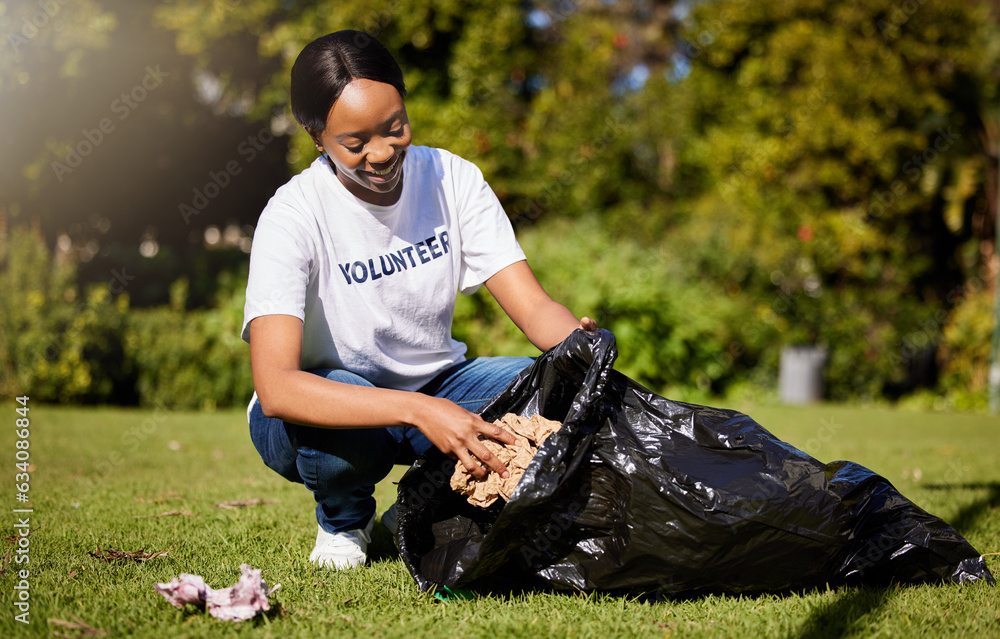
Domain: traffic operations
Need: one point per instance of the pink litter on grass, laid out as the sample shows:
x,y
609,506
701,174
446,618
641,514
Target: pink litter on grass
x,y
237,603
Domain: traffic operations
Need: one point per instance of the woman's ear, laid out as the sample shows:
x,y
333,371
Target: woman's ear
x,y
315,137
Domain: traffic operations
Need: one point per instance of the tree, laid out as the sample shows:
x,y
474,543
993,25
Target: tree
x,y
112,143
845,142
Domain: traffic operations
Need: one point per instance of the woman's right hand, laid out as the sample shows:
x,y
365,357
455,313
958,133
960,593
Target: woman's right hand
x,y
456,432
296,396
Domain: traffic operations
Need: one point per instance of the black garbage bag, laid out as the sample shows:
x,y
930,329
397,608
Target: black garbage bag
x,y
641,494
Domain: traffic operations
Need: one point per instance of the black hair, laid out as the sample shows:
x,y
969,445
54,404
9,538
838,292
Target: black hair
x,y
328,64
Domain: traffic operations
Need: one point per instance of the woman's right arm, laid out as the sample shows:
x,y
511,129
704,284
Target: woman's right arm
x,y
289,393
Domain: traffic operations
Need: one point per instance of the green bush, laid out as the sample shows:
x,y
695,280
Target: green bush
x,y
59,346
691,321
965,350
56,345
675,332
191,359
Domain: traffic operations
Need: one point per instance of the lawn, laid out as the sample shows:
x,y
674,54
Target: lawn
x,y
109,479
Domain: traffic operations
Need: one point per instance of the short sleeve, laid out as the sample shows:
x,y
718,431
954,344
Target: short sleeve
x,y
280,264
488,242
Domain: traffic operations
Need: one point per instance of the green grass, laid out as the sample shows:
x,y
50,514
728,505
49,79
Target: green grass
x,y
96,471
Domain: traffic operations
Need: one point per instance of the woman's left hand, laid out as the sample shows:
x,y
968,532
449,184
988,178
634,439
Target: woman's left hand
x,y
544,321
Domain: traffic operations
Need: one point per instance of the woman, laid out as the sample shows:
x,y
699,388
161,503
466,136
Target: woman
x,y
353,275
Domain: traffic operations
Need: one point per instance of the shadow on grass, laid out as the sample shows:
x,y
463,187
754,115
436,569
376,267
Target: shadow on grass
x,y
262,618
846,615
381,547
842,616
190,612
968,517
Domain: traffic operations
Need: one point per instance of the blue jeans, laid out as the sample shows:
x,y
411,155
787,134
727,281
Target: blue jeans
x,y
342,465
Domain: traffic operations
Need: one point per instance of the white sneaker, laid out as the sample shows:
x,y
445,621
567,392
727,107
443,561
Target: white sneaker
x,y
391,521
340,551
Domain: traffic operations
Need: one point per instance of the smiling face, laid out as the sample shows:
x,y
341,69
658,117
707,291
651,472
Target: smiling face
x,y
367,135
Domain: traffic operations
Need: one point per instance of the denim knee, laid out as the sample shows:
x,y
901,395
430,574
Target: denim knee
x,y
274,438
270,437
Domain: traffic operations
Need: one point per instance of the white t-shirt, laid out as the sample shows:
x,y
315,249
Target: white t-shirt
x,y
375,285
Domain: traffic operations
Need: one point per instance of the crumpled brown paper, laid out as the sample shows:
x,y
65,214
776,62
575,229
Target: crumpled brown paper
x,y
531,432
237,603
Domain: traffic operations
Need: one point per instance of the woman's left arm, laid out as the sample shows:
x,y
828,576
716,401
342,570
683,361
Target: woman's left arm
x,y
544,321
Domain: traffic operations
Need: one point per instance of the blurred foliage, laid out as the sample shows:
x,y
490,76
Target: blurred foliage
x,y
109,133
56,344
966,348
835,137
675,333
62,33
59,346
192,359
711,180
